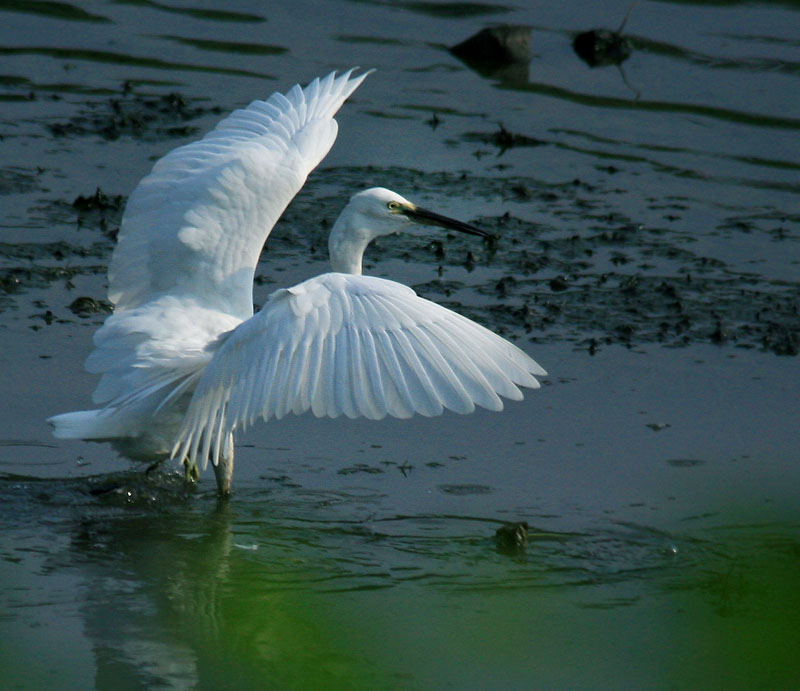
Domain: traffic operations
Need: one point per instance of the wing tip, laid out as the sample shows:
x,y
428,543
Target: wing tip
x,y
338,88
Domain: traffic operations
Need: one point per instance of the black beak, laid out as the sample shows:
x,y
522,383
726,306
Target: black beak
x,y
420,215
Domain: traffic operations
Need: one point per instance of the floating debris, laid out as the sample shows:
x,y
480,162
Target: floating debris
x,y
496,45
684,462
99,201
502,139
502,51
87,307
600,47
512,538
100,210
132,115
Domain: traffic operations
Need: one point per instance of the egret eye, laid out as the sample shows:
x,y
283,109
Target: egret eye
x,y
393,206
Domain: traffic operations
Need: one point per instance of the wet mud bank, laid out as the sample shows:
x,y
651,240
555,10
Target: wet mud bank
x,y
582,273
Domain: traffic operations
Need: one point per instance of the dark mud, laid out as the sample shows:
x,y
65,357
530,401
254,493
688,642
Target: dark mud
x,y
130,114
587,275
584,273
502,139
571,262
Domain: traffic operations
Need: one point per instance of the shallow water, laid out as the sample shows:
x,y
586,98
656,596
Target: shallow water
x,y
648,258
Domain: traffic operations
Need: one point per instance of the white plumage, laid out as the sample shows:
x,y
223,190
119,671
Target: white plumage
x,y
184,362
358,346
196,224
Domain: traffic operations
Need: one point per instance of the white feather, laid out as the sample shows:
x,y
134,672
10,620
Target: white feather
x,y
181,276
381,338
184,362
196,225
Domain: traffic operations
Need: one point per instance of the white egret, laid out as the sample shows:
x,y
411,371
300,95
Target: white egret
x,y
184,362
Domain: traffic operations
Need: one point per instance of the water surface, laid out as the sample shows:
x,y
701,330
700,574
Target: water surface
x,y
648,258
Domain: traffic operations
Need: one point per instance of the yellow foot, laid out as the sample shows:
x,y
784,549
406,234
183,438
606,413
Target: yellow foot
x,y
190,471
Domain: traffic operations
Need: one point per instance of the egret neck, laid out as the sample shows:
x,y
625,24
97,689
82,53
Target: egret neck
x,y
375,212
349,238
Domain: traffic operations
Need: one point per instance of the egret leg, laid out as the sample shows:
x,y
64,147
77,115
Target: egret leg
x,y
224,472
191,473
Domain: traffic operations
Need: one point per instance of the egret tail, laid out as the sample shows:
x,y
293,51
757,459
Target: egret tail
x,y
86,424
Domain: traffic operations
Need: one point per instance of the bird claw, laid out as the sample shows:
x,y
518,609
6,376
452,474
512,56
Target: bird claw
x,y
191,473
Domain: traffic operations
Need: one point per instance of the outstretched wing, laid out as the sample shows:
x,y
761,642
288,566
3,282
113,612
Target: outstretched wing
x,y
353,345
195,226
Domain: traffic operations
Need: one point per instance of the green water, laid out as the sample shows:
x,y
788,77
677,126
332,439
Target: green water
x,y
151,587
648,257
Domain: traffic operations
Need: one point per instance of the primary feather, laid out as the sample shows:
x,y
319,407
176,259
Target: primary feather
x,y
358,346
196,224
181,274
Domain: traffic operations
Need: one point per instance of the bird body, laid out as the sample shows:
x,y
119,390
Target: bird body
x,y
184,362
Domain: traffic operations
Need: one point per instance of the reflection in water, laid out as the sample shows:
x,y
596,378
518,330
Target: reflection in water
x,y
293,587
191,604
164,573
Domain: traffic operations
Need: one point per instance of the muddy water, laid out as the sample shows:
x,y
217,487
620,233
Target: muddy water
x,y
648,258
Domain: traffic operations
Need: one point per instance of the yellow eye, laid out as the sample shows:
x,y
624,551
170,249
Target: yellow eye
x,y
393,206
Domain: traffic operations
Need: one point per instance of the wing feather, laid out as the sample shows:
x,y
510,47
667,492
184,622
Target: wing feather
x,y
343,374
196,224
372,375
264,386
306,394
404,400
191,235
469,374
423,395
349,345
448,386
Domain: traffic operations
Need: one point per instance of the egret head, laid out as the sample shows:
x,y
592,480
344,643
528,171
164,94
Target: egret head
x,y
375,212
390,212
